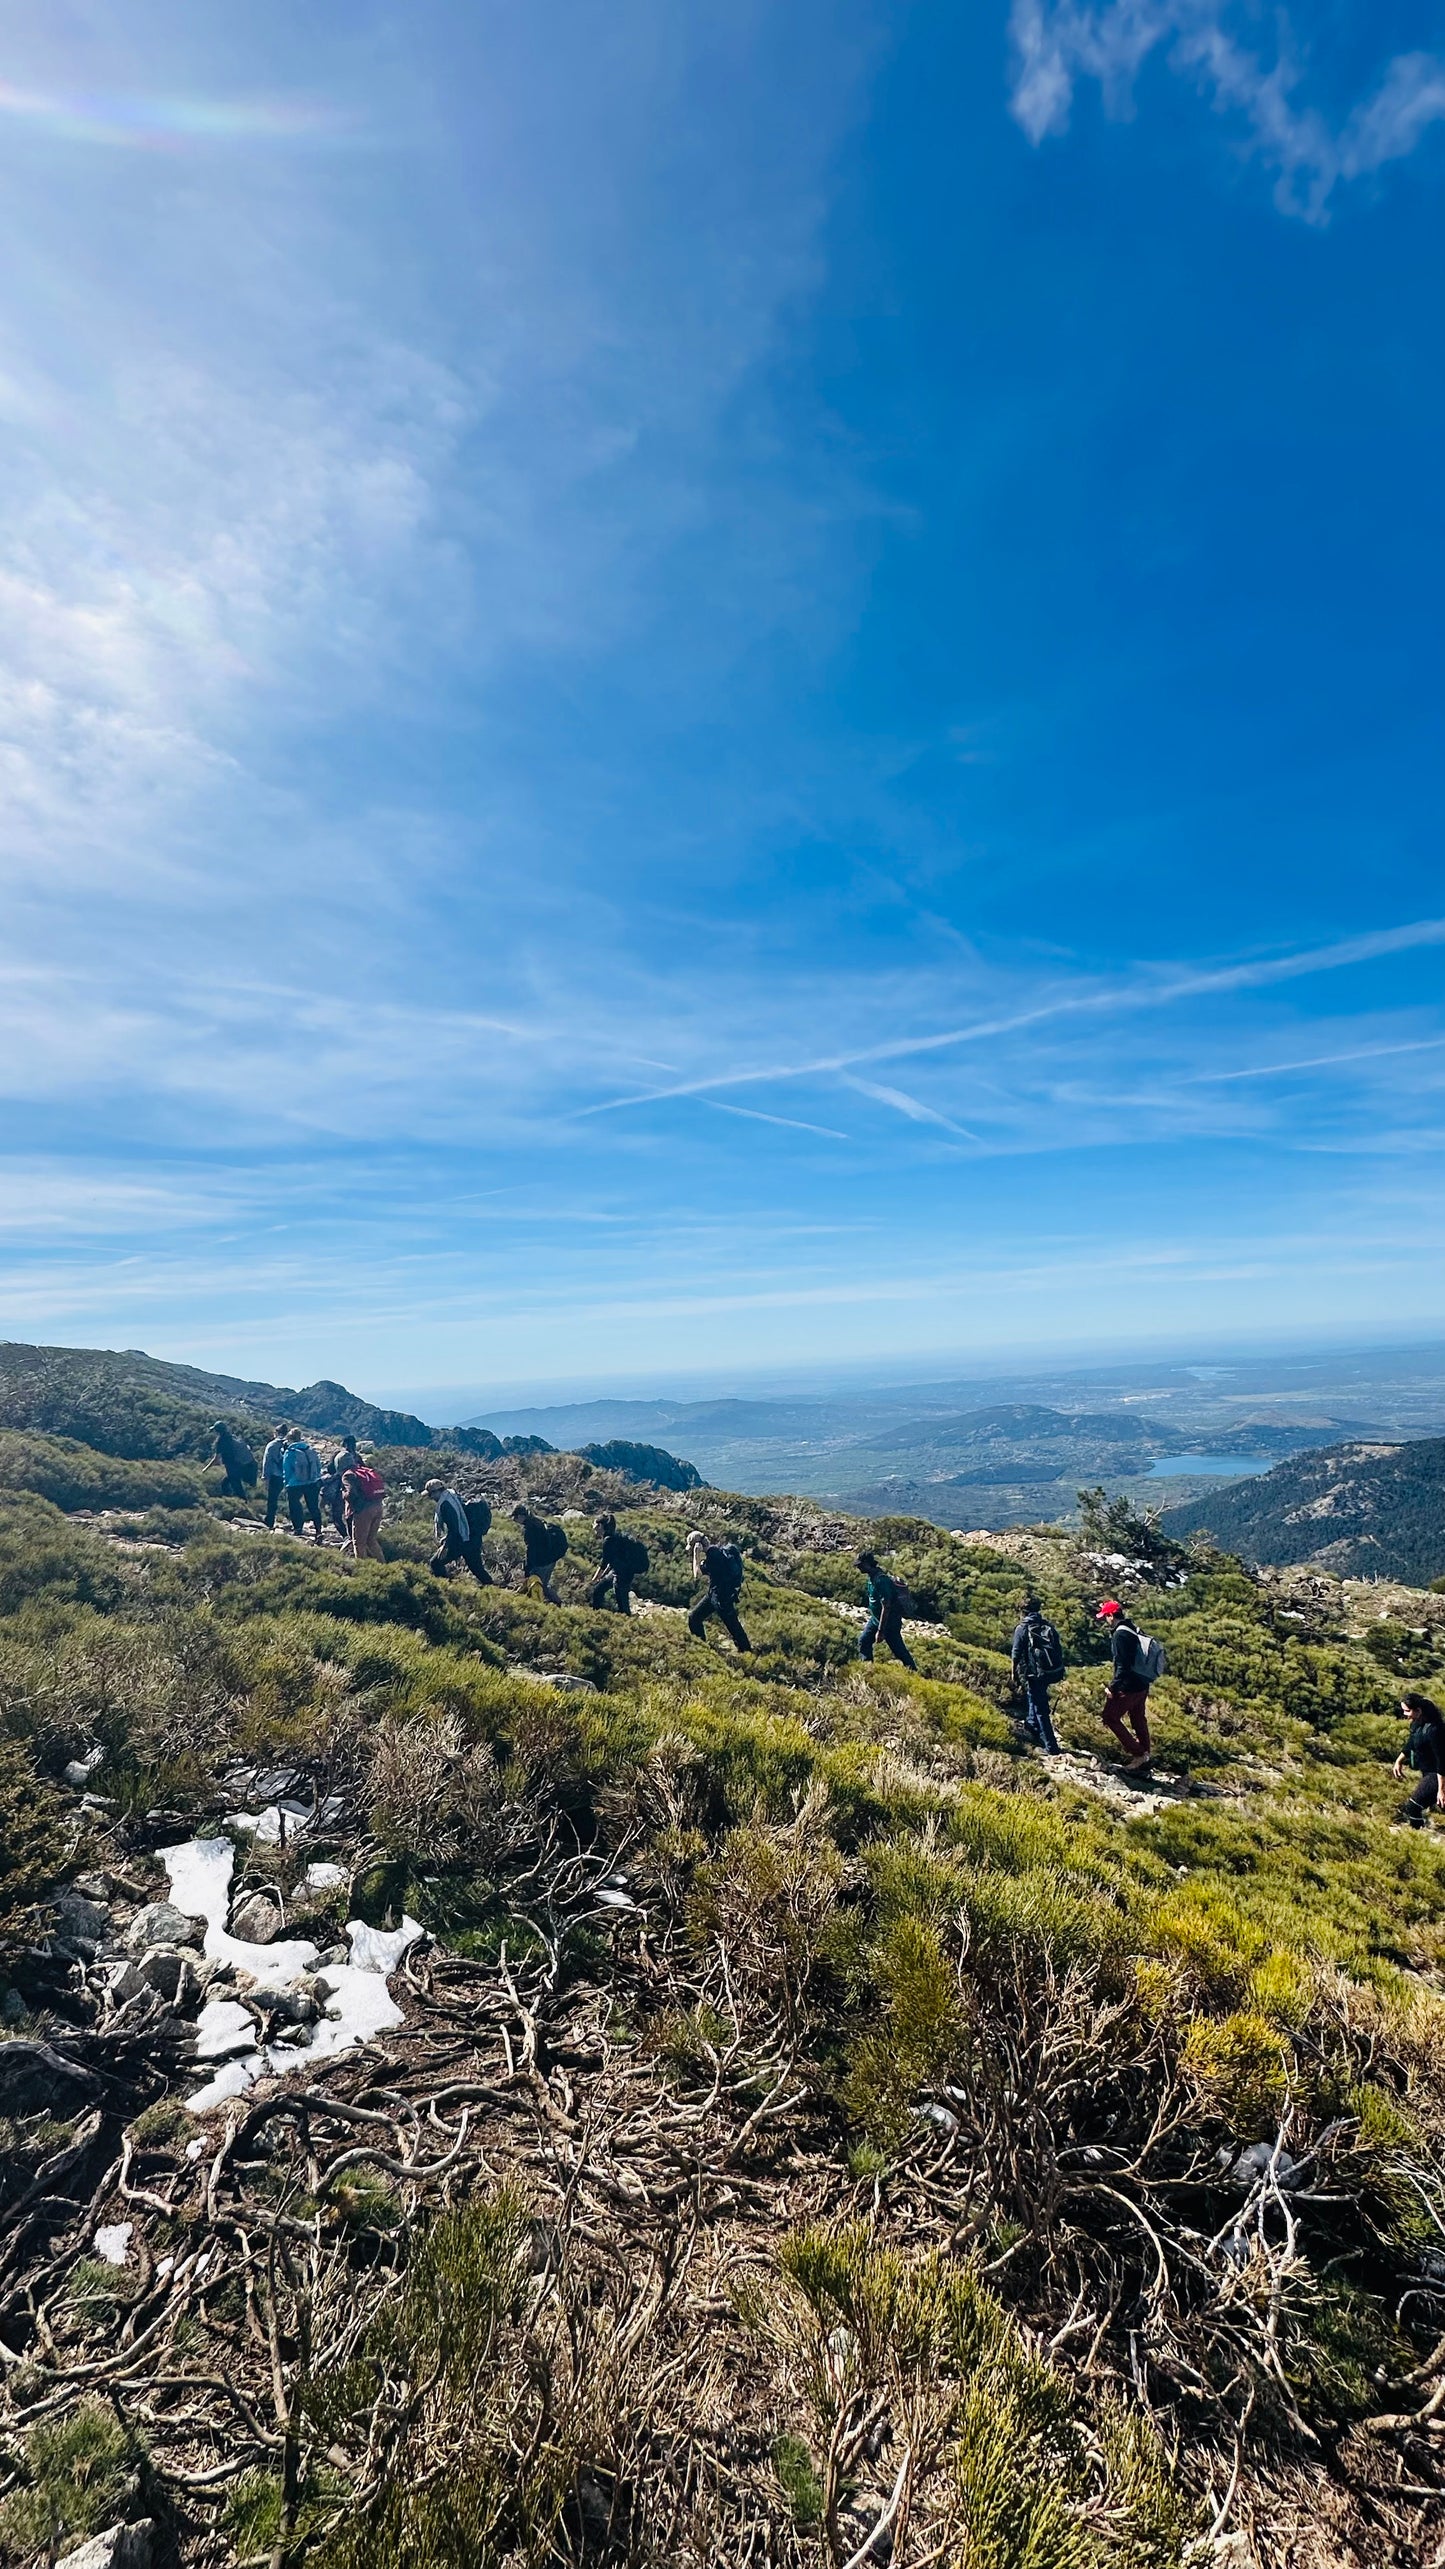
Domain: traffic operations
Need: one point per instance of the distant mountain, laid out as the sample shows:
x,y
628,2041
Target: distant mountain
x,y
128,1403
1361,1510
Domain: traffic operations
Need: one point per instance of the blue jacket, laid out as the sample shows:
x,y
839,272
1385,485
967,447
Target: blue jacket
x,y
301,1467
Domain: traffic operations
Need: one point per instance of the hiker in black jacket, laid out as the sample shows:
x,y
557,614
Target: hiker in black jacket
x,y
621,1560
885,1613
459,1526
721,1564
1038,1663
1424,1754
1126,1703
542,1548
236,1460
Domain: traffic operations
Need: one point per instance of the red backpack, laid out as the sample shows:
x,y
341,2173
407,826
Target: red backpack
x,y
366,1483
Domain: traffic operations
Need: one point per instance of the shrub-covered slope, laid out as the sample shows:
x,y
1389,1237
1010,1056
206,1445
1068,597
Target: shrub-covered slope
x,y
799,2126
137,1405
1363,1511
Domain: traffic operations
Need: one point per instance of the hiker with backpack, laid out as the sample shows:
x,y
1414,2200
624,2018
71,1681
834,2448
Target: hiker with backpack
x,y
364,1493
333,1490
236,1460
1424,1754
721,1564
1038,1663
273,1473
459,1526
1137,1661
886,1600
301,1477
543,1546
622,1560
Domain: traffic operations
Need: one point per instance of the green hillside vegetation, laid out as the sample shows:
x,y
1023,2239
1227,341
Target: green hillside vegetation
x,y
138,1406
1363,1511
819,2131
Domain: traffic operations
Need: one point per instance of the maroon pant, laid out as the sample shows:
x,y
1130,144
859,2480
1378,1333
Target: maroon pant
x,y
1126,1714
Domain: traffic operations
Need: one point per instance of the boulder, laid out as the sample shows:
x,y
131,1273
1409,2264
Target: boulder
x,y
298,2006
256,1919
162,1924
125,2546
80,1924
171,1973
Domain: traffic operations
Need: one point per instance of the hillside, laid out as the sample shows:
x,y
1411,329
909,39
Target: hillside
x,y
1361,1510
493,2083
138,1405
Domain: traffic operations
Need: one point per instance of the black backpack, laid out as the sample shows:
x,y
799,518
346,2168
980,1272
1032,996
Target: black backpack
x,y
551,1543
635,1559
1043,1650
478,1516
725,1569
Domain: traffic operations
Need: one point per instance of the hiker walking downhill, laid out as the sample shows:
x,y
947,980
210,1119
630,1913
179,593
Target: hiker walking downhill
x,y
622,1559
721,1564
885,1613
1038,1663
236,1460
1137,1661
273,1471
543,1546
301,1473
1424,1754
364,1492
459,1526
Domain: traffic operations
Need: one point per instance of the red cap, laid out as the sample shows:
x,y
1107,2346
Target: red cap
x,y
1110,1606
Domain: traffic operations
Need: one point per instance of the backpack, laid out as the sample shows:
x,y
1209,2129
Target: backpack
x,y
725,1569
308,1466
1043,1649
366,1484
1151,1662
478,1516
550,1544
635,1557
243,1461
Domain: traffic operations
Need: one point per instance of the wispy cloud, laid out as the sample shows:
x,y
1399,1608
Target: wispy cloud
x,y
912,1107
1057,43
789,1123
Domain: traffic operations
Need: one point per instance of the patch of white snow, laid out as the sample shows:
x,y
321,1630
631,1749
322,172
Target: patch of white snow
x,y
112,2241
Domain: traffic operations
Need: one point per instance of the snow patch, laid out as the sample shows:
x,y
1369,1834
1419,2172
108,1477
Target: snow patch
x,y
112,2241
359,2004
325,1877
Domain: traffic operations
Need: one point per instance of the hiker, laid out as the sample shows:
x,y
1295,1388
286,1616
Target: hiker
x,y
236,1460
623,1560
273,1471
1136,1663
1038,1663
721,1564
301,1474
364,1493
344,1460
885,1613
542,1548
459,1527
1424,1754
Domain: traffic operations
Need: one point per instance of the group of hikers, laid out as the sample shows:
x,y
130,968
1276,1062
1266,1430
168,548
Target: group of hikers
x,y
353,1493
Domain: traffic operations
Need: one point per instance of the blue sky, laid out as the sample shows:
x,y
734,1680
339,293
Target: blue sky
x,y
691,690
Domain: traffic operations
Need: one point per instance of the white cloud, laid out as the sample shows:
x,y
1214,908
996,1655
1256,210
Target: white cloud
x,y
1057,43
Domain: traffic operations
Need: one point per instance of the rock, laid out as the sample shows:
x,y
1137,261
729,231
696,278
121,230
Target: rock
x,y
256,1919
298,2006
33,2078
125,2546
171,1973
81,1769
162,1924
333,1955
13,2010
80,1924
